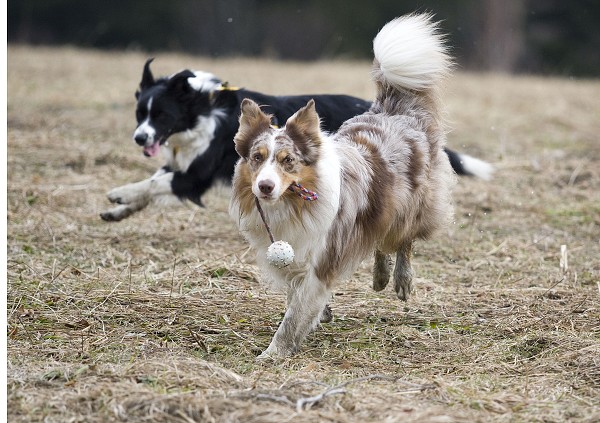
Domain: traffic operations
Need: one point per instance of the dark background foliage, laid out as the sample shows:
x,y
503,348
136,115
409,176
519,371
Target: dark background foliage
x,y
533,36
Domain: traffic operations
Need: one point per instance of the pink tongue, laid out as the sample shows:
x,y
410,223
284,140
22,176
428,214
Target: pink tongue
x,y
152,150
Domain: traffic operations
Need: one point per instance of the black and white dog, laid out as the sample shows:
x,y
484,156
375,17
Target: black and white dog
x,y
193,116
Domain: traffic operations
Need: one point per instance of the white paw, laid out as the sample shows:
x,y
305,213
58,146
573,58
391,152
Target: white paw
x,y
274,352
127,194
269,354
265,357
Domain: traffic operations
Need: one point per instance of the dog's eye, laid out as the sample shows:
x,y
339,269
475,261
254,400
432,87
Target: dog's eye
x,y
257,157
288,160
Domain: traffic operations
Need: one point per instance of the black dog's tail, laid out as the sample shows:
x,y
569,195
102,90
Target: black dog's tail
x,y
463,164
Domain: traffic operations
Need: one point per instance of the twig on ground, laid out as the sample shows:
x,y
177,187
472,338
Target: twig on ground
x,y
307,403
551,287
199,341
275,398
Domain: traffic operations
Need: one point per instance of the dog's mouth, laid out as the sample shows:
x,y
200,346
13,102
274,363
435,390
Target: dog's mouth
x,y
154,149
267,197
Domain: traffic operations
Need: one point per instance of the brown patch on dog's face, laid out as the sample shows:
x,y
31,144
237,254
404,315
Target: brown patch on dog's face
x,y
257,155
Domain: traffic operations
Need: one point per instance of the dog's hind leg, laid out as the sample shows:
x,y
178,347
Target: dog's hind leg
x,y
305,308
381,270
403,272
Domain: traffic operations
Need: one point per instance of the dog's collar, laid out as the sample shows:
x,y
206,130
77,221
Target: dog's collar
x,y
223,87
226,87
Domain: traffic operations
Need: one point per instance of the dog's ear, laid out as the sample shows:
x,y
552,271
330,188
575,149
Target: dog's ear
x,y
147,77
179,84
304,128
305,122
252,117
252,123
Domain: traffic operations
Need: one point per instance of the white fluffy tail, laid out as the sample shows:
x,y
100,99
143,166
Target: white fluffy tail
x,y
411,53
476,167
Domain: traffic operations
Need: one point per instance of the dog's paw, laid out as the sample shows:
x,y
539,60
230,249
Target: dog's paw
x,y
274,353
326,315
114,196
403,283
381,270
126,194
108,216
405,291
117,213
266,357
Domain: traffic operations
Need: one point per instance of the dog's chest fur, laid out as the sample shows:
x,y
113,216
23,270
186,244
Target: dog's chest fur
x,y
184,147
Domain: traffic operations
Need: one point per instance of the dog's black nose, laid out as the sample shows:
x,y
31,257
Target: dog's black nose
x,y
266,187
141,139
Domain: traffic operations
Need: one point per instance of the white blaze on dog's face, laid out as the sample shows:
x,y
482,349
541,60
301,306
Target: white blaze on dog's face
x,y
145,133
277,158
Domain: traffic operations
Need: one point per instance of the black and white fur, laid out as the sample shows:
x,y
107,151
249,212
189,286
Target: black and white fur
x,y
192,118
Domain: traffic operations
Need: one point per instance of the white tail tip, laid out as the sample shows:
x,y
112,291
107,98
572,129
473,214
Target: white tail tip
x,y
411,52
477,167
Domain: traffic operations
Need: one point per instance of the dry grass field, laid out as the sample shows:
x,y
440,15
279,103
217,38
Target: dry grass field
x,y
158,318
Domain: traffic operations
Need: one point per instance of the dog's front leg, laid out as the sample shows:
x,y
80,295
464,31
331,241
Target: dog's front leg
x,y
130,193
122,211
305,305
130,198
134,197
140,192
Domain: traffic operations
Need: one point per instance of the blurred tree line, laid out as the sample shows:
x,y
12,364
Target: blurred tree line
x,y
535,36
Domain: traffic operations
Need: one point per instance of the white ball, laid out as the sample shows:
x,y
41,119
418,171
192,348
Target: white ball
x,y
280,254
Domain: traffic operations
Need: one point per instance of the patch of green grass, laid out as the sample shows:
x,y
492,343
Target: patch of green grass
x,y
448,326
531,347
32,199
576,214
218,273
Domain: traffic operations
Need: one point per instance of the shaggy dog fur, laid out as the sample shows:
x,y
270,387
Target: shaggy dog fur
x,y
383,180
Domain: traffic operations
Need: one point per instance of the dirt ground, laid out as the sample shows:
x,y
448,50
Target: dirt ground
x,y
160,317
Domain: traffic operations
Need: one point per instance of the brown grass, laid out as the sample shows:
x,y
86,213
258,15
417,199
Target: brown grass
x,y
159,317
